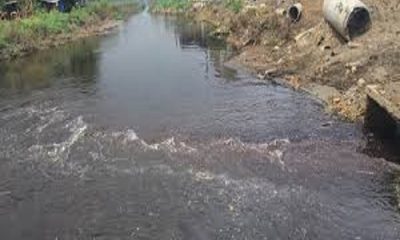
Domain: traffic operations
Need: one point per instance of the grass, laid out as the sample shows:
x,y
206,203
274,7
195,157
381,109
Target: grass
x,y
182,5
234,5
172,5
24,34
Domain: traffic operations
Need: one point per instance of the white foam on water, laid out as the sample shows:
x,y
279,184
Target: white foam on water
x,y
56,115
161,169
226,180
271,149
169,144
239,193
77,128
25,113
60,151
131,135
15,113
128,139
260,147
366,172
207,176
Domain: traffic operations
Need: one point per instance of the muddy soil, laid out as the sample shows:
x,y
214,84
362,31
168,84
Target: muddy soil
x,y
309,54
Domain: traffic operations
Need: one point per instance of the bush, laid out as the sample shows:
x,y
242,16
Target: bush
x,y
234,5
171,4
79,17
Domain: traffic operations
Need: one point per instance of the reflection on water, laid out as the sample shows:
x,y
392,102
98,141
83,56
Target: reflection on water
x,y
195,35
46,68
79,61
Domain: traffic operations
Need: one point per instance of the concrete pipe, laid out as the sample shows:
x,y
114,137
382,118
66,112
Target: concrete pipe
x,y
350,18
294,12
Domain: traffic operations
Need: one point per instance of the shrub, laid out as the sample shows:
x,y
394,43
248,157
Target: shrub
x,y
172,4
234,5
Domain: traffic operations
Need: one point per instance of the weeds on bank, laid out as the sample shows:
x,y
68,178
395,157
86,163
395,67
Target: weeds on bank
x,y
234,5
174,5
182,5
23,33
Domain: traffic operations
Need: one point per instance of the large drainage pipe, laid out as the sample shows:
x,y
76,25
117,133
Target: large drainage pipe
x,y
294,12
350,18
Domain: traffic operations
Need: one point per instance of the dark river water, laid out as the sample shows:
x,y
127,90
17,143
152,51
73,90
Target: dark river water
x,y
144,134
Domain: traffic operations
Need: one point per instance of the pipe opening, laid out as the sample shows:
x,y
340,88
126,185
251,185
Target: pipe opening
x,y
294,13
359,22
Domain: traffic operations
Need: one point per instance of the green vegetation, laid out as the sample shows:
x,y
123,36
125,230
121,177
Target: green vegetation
x,y
174,6
170,5
25,34
234,5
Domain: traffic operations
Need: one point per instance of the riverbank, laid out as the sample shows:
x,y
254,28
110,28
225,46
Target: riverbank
x,y
48,29
309,55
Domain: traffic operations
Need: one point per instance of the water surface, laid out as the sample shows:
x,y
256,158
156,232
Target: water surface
x,y
144,134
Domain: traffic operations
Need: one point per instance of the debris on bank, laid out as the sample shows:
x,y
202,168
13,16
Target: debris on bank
x,y
350,18
343,44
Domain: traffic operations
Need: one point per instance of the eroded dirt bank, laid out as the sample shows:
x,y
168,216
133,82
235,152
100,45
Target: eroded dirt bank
x,y
309,54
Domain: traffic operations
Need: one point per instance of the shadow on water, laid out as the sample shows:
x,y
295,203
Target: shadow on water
x,y
383,133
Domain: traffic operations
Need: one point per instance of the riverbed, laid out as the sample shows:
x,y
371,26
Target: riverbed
x,y
145,134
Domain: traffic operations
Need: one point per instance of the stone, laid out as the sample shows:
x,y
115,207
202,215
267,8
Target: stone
x,y
261,76
325,93
198,5
270,72
336,100
361,83
281,11
303,39
384,96
280,61
353,45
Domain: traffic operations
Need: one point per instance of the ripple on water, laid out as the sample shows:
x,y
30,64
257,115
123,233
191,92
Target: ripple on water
x,y
229,157
272,189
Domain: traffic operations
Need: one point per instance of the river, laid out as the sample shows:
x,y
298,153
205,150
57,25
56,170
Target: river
x,y
145,134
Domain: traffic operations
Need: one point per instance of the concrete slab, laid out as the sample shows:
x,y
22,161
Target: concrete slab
x,y
325,93
387,96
